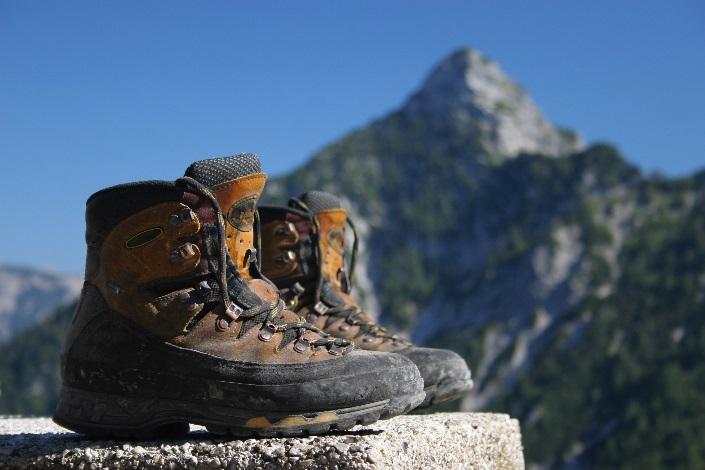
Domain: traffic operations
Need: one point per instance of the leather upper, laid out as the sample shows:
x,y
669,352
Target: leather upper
x,y
308,249
152,266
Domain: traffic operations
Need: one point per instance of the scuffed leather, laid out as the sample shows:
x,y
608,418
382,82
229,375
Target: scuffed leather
x,y
228,195
126,275
332,223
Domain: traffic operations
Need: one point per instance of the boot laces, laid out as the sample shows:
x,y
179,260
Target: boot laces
x,y
268,314
224,291
352,314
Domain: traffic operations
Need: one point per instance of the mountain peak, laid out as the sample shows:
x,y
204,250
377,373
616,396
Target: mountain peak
x,y
469,89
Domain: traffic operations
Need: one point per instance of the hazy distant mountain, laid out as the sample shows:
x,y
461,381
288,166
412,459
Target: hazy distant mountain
x,y
29,366
572,283
29,295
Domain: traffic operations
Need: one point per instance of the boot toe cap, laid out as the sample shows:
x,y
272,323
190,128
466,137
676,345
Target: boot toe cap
x,y
438,366
368,377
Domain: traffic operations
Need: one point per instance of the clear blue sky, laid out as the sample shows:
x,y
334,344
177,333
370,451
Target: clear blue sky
x,y
97,93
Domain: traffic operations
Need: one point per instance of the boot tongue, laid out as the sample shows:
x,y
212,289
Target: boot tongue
x,y
237,183
214,171
331,218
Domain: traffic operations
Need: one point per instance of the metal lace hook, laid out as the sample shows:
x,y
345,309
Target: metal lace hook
x,y
203,190
300,205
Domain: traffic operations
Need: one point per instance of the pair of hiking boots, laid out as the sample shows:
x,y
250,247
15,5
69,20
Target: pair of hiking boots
x,y
177,323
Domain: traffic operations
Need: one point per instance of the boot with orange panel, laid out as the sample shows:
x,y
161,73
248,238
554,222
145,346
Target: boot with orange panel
x,y
303,252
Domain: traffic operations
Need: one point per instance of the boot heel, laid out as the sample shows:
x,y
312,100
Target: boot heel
x,y
103,415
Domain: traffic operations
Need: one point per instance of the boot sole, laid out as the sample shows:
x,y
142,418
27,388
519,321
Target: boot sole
x,y
446,391
98,414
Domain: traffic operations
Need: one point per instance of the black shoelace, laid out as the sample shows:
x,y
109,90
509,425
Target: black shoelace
x,y
224,290
352,314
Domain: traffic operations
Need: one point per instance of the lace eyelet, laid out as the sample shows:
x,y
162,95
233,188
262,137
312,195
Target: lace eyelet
x,y
291,295
267,332
284,230
301,345
312,317
185,251
339,347
221,324
181,217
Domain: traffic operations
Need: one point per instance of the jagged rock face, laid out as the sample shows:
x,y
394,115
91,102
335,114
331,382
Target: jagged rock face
x,y
28,296
467,89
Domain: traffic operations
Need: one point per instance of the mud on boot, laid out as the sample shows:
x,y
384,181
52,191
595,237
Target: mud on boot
x,y
303,252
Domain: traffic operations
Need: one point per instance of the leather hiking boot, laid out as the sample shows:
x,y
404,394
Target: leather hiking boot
x,y
169,331
303,253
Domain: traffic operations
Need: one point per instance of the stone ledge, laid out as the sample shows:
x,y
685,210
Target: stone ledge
x,y
441,440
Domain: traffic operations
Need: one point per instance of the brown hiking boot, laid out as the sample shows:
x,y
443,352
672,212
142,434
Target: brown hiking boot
x,y
169,331
303,253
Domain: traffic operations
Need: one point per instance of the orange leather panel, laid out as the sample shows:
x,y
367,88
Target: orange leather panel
x,y
127,269
237,199
332,225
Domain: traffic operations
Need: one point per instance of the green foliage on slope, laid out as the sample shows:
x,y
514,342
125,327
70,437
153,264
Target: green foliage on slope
x,y
628,386
29,366
606,385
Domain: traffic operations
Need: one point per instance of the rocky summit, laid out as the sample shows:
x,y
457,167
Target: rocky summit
x,y
569,280
470,91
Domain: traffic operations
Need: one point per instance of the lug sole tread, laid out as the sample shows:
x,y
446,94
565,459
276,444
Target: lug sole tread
x,y
91,414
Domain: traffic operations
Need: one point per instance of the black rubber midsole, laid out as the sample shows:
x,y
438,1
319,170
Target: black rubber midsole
x,y
319,394
97,413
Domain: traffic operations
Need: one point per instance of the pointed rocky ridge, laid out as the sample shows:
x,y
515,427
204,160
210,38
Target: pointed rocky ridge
x,y
467,89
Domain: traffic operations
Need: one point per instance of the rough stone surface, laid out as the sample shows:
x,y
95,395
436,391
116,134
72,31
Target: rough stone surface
x,y
442,440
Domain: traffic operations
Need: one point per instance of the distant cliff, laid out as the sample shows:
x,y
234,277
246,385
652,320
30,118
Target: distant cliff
x,y
29,295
